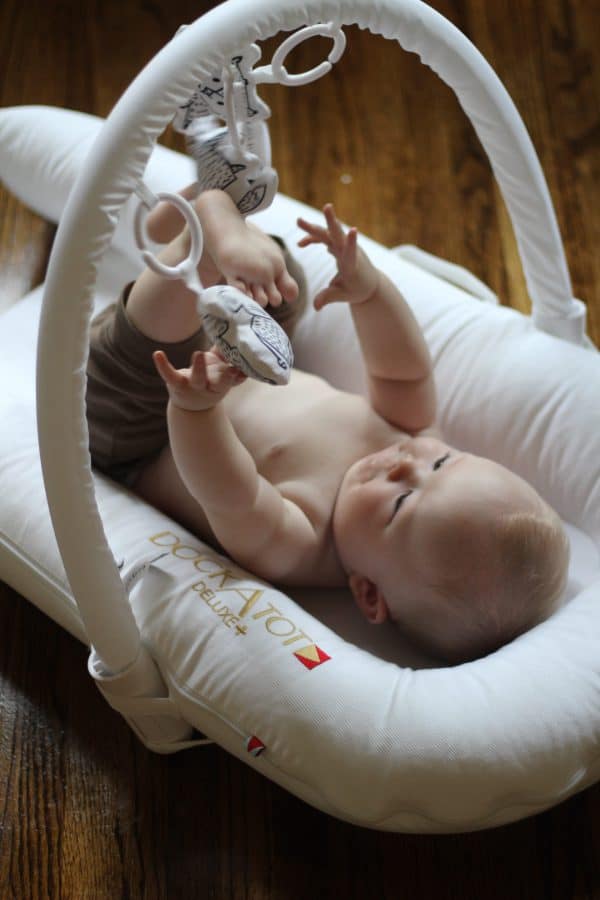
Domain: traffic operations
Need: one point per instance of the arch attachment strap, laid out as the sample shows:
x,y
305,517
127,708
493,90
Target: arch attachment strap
x,y
140,695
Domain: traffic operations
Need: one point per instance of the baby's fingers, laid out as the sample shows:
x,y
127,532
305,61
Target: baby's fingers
x,y
222,379
316,234
349,253
308,226
171,376
333,223
331,294
198,377
220,375
307,241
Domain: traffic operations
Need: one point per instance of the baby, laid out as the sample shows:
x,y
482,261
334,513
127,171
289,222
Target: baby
x,y
309,485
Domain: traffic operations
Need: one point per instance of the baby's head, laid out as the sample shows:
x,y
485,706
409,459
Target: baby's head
x,y
460,552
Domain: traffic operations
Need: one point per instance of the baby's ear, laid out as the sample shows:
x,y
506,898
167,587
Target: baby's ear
x,y
369,599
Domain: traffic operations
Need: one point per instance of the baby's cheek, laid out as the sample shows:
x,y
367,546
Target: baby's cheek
x,y
358,539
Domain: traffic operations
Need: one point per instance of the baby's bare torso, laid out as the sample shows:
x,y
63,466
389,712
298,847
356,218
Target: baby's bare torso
x,y
303,438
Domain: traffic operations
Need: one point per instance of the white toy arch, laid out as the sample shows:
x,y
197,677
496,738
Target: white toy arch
x,y
154,699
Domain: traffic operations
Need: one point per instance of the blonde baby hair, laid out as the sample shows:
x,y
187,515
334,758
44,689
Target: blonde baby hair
x,y
512,579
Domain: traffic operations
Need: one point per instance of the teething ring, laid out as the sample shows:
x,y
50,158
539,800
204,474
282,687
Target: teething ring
x,y
277,72
190,264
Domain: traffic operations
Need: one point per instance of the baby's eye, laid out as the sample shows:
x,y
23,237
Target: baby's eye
x,y
440,462
399,503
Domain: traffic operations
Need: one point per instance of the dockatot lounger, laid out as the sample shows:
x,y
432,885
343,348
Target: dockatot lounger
x,y
182,640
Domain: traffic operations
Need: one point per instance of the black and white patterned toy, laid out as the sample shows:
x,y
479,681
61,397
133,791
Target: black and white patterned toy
x,y
245,335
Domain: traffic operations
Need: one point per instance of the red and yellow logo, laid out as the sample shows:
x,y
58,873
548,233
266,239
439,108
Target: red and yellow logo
x,y
311,656
254,745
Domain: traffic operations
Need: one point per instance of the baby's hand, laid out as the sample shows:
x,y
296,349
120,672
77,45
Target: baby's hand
x,y
357,278
203,385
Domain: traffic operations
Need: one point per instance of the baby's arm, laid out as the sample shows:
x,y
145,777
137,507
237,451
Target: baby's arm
x,y
397,360
254,523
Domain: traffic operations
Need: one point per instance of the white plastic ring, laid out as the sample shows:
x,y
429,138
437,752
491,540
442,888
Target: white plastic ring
x,y
277,71
189,265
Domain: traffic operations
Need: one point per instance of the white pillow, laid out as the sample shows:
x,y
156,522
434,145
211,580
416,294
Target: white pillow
x,y
42,151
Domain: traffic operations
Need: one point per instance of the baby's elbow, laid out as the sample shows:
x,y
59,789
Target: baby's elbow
x,y
411,406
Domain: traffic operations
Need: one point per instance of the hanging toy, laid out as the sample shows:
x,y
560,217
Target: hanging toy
x,y
227,135
224,121
247,337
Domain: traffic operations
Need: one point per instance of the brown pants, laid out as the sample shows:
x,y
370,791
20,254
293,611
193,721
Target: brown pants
x,y
126,397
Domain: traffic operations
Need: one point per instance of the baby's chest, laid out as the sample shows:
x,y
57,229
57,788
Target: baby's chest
x,y
307,434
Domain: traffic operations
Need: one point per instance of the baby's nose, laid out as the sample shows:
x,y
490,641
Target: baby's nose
x,y
403,469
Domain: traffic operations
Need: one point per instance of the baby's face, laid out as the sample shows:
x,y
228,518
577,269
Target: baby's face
x,y
414,507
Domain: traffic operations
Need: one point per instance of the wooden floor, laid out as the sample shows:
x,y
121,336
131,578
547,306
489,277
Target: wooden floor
x,y
85,811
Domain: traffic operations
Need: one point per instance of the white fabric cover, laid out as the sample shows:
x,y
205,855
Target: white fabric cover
x,y
361,735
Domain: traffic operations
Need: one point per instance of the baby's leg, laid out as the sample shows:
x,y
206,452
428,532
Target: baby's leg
x,y
164,309
165,222
126,398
